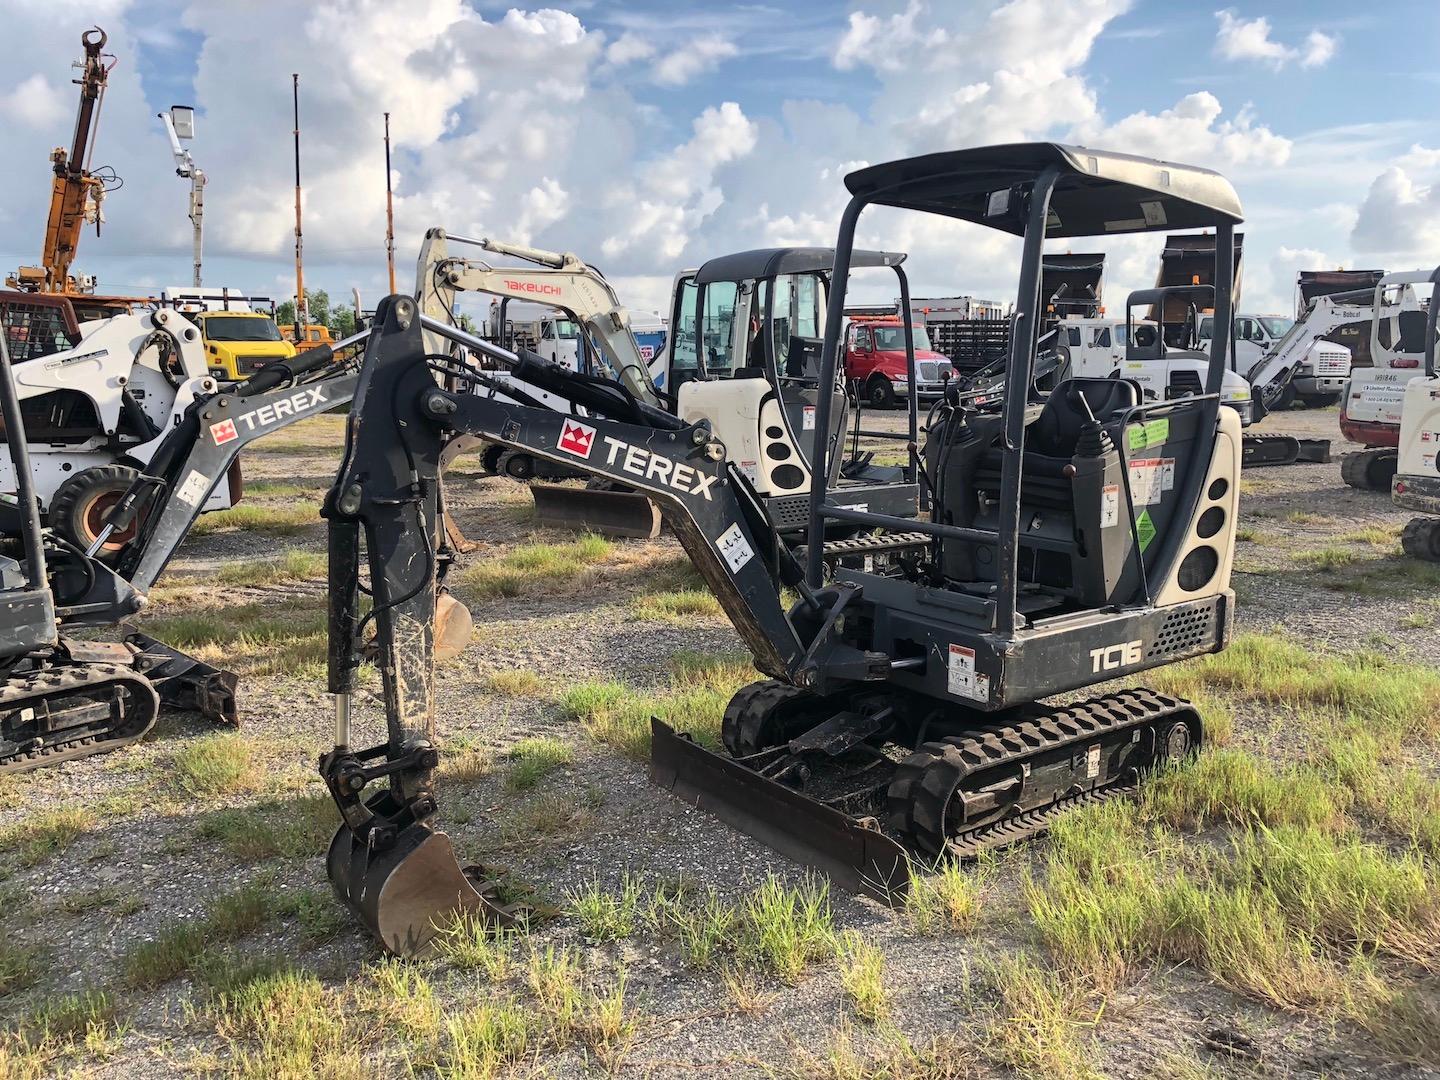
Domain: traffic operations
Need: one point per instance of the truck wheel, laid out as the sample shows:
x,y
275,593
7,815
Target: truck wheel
x,y
81,505
1286,398
880,393
1319,401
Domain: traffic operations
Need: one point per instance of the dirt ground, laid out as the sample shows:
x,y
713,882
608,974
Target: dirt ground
x,y
1317,562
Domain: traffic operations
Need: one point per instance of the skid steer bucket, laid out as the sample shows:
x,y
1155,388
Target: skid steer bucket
x,y
184,682
855,857
611,513
407,892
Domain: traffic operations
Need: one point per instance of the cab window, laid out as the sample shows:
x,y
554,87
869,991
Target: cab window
x,y
1101,338
713,334
861,339
1072,337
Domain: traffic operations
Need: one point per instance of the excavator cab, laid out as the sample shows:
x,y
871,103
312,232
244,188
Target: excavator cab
x,y
747,359
1067,542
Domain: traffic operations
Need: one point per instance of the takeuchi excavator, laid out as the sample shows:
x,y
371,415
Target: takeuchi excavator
x,y
1067,542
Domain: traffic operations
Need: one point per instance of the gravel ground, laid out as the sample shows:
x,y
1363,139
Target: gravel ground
x,y
147,845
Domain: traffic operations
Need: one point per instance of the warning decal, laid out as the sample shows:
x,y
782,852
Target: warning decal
x,y
963,680
1150,478
734,547
807,420
193,489
1109,505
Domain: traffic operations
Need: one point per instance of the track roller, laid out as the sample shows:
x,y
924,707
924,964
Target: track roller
x,y
63,713
1370,470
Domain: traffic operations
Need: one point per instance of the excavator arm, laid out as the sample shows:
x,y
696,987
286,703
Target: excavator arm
x,y
76,193
387,862
560,280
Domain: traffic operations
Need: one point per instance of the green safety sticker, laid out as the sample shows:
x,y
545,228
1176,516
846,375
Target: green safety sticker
x,y
1150,433
1144,529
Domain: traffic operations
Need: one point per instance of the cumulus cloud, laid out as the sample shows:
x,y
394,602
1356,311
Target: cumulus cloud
x,y
1194,132
34,103
886,44
628,48
693,58
1400,214
1249,39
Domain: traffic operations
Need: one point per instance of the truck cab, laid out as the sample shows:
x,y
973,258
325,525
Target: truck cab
x,y
311,336
1322,367
875,362
1103,347
240,343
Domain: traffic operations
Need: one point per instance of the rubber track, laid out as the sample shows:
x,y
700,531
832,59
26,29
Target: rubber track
x,y
745,716
143,709
1355,467
1420,539
925,781
1260,451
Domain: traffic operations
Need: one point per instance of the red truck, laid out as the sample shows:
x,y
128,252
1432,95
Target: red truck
x,y
875,362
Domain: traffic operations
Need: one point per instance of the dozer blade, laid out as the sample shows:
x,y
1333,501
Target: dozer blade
x,y
184,682
1315,451
405,894
1257,451
613,513
855,858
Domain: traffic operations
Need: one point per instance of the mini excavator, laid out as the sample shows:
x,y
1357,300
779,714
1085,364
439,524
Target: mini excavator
x,y
1068,542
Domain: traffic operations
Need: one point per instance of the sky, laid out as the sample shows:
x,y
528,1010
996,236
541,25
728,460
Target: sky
x,y
650,135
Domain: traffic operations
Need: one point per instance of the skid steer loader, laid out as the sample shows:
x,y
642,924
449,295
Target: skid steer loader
x,y
1068,543
98,398
145,525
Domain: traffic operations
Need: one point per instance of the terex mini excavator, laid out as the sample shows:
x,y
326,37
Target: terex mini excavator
x,y
1069,543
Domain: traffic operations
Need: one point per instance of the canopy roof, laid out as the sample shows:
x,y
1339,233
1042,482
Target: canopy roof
x,y
1098,192
771,262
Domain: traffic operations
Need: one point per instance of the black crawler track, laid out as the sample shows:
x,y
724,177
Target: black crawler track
x,y
926,799
130,703
1370,470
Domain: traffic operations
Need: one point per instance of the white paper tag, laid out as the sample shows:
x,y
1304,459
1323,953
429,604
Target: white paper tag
x,y
807,419
1109,506
750,470
193,489
962,678
733,545
1092,762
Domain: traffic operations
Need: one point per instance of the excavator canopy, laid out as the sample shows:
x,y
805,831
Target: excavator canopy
x,y
1098,192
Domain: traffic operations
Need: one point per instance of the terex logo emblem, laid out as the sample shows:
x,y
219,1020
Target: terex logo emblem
x,y
650,466
1114,656
532,287
297,404
577,438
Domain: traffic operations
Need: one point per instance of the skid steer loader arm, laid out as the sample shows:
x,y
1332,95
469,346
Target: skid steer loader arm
x,y
387,861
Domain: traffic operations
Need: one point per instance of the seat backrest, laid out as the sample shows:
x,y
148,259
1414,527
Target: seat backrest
x,y
1058,427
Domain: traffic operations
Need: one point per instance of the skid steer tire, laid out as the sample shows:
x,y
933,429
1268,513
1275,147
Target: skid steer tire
x,y
490,458
82,503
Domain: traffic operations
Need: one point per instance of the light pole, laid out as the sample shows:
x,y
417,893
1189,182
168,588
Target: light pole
x,y
180,126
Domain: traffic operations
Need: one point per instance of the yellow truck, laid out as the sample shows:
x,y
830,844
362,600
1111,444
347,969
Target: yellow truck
x,y
240,343
313,335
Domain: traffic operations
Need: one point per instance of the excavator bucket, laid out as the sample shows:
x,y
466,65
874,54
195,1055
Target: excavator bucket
x,y
612,513
406,893
855,856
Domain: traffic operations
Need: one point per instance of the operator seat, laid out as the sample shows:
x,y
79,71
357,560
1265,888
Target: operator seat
x,y
1070,406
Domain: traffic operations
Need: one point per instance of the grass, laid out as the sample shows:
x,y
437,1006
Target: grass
x,y
286,1024
275,638
216,765
55,1033
1042,1026
278,520
475,945
545,814
678,606
20,965
293,828
1330,557
1385,536
862,977
1236,787
537,569
946,901
35,838
531,760
287,566
606,916
693,701
886,1055
1306,517
518,683
180,945
784,930
1365,687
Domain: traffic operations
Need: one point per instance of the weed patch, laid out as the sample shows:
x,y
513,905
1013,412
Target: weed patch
x,y
679,606
531,760
537,568
216,765
177,947
37,837
288,566
276,520
292,828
